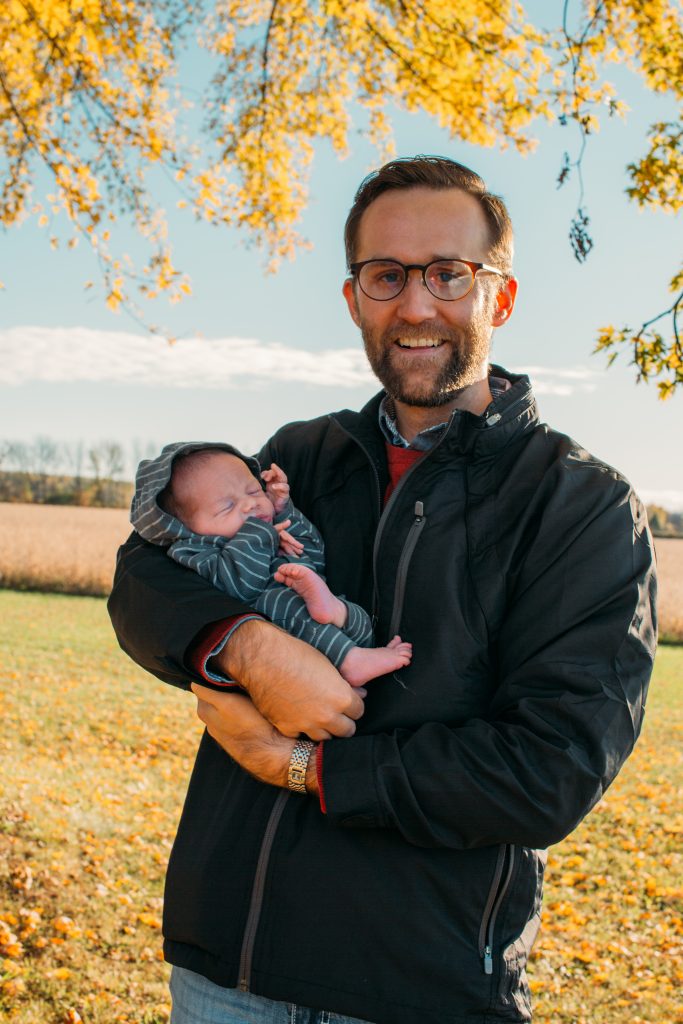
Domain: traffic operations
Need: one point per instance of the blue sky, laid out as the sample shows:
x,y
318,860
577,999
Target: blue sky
x,y
257,350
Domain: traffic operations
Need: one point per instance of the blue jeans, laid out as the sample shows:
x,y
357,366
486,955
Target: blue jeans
x,y
196,1000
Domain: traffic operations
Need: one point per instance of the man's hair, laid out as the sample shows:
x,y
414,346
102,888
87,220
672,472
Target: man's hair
x,y
436,172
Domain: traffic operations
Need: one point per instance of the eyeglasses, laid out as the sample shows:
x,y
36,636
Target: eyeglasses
x,y
449,280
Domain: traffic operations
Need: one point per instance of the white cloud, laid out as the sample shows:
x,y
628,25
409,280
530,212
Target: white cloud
x,y
60,354
69,354
562,382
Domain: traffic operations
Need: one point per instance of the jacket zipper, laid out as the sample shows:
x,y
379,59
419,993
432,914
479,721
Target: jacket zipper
x,y
256,903
403,563
373,467
383,511
495,898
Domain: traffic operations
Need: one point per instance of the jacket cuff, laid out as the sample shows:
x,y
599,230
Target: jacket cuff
x,y
348,779
319,776
211,642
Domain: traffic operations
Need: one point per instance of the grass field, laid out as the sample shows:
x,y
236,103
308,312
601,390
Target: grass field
x,y
94,761
72,551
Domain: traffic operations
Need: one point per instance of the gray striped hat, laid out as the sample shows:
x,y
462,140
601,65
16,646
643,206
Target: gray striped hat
x,y
146,515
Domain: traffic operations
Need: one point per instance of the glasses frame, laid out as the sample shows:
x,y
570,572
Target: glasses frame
x,y
355,269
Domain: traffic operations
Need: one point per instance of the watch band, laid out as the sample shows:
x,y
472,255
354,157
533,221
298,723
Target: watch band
x,y
298,762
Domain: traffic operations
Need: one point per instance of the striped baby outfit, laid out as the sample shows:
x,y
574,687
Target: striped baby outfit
x,y
243,565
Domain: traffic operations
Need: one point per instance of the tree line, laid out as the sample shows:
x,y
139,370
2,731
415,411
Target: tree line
x,y
48,472
664,523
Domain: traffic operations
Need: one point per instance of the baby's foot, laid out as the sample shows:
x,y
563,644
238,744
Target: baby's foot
x,y
364,663
322,604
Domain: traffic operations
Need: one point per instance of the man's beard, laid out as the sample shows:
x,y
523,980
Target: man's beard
x,y
469,352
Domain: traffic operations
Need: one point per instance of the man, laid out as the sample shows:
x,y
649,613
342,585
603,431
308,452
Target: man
x,y
401,883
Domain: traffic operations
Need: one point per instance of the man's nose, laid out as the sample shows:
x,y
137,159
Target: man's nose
x,y
416,303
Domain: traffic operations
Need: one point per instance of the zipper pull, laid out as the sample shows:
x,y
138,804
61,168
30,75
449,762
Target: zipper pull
x,y
488,960
419,511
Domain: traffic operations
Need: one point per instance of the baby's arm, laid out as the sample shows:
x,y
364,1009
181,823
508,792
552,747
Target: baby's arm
x,y
303,530
289,545
297,527
239,566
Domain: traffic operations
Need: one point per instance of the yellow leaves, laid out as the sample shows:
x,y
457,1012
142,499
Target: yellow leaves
x,y
97,105
59,973
115,296
151,920
67,927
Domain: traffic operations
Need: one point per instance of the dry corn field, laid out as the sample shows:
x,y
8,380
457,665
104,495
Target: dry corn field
x,y
670,566
60,548
72,550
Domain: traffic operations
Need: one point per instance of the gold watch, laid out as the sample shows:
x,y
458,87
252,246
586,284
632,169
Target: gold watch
x,y
298,762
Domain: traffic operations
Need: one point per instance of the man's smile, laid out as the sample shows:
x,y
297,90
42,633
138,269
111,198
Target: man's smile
x,y
419,342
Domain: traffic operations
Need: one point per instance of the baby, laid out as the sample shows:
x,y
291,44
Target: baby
x,y
207,505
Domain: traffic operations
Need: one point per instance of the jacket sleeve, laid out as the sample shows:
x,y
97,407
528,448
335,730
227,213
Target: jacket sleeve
x,y
574,657
158,609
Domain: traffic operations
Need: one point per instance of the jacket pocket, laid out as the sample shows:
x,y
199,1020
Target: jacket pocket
x,y
500,884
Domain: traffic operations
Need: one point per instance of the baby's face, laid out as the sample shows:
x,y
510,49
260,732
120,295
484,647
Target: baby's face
x,y
217,494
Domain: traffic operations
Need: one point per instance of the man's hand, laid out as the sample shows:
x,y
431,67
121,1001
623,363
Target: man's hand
x,y
294,686
244,733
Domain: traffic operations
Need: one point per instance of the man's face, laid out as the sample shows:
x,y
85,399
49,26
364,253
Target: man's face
x,y
424,350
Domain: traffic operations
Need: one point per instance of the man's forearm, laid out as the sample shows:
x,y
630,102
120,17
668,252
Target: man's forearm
x,y
294,686
233,721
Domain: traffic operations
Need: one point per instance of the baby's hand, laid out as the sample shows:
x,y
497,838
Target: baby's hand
x,y
288,545
277,487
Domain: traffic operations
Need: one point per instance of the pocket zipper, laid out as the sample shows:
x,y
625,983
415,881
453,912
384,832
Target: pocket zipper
x,y
403,564
495,898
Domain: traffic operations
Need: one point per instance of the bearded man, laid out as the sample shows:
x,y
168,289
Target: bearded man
x,y
345,856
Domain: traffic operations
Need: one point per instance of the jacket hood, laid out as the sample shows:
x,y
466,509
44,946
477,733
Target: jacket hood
x,y
146,515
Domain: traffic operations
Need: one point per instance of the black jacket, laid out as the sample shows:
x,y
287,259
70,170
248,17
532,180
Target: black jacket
x,y
521,569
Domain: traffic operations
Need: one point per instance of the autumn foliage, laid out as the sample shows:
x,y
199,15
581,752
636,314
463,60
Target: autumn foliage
x,y
94,110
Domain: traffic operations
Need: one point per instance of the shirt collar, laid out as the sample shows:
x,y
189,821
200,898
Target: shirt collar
x,y
427,438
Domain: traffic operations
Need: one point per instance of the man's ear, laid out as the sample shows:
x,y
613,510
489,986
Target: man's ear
x,y
505,302
349,293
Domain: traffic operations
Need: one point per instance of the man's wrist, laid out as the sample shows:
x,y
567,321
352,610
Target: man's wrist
x,y
312,772
241,646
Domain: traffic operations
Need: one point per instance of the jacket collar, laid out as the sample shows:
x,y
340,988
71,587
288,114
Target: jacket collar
x,y
476,437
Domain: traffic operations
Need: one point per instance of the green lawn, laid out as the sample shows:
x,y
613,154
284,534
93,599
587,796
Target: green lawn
x,y
94,760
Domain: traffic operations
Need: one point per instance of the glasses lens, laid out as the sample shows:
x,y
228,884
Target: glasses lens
x,y
382,279
449,279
